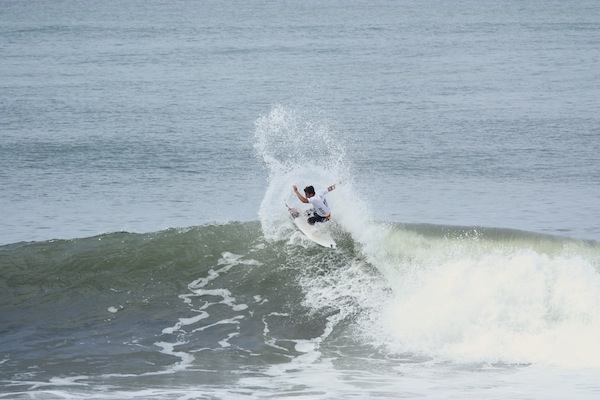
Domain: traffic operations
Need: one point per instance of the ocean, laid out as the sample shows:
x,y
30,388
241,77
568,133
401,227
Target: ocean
x,y
148,149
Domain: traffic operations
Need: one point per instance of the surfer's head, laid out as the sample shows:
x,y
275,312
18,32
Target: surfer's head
x,y
309,191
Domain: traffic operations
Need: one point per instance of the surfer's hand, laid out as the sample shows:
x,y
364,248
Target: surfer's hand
x,y
295,188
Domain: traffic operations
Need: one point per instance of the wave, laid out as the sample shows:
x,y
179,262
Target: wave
x,y
460,294
239,301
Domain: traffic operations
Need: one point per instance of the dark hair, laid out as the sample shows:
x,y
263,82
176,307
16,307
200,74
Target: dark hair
x,y
309,190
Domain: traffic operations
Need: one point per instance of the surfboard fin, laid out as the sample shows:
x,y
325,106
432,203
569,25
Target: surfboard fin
x,y
293,212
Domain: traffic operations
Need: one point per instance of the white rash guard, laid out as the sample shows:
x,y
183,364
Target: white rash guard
x,y
319,203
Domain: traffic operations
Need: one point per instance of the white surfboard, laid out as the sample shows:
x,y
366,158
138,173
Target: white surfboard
x,y
317,233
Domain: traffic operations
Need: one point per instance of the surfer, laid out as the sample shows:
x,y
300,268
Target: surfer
x,y
317,200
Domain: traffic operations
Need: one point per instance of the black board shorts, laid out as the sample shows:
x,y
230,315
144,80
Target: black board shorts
x,y
317,218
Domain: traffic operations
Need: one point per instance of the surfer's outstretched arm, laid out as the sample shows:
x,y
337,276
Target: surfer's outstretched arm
x,y
300,197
